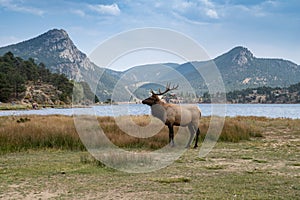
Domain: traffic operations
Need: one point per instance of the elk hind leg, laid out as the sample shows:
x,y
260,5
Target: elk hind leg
x,y
192,134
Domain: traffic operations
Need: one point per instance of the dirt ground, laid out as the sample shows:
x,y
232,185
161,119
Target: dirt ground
x,y
262,168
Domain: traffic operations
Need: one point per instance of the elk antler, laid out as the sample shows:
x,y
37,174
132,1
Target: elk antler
x,y
167,89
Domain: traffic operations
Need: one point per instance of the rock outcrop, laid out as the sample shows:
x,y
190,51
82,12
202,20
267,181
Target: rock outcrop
x,y
42,94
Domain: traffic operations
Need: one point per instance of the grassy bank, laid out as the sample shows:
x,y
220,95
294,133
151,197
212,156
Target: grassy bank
x,y
58,132
5,106
8,106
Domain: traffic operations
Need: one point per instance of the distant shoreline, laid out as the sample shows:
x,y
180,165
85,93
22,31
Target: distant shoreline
x,y
9,106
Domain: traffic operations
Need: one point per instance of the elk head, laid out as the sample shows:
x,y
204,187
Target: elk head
x,y
154,99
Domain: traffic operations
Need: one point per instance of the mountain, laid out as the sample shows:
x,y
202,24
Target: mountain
x,y
56,50
241,69
238,67
58,53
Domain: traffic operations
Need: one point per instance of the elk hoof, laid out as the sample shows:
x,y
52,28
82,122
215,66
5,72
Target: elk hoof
x,y
195,147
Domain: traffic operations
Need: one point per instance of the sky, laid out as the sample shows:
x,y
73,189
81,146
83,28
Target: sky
x,y
268,28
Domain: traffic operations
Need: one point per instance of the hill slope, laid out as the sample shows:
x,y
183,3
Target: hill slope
x,y
25,81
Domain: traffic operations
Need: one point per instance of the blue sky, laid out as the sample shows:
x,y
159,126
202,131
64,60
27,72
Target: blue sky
x,y
269,28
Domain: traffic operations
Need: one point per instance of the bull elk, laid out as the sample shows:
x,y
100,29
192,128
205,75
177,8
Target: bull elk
x,y
175,115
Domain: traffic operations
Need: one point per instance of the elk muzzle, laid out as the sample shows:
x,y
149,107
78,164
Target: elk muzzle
x,y
148,102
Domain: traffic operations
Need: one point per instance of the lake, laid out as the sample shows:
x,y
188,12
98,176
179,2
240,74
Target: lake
x,y
265,110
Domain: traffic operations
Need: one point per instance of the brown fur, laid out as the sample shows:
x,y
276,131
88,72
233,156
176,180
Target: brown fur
x,y
175,115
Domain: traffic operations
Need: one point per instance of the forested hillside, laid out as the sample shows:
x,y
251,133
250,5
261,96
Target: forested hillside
x,y
16,74
289,94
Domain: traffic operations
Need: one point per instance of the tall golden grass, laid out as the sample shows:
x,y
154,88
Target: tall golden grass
x,y
234,130
31,132
35,132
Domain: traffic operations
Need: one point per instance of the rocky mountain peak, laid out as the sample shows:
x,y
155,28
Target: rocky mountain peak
x,y
56,33
56,39
56,50
241,56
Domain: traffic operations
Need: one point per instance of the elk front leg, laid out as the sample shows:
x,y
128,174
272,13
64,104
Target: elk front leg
x,y
171,135
197,138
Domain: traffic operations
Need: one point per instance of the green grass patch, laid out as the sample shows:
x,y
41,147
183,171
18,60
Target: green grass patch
x,y
294,164
246,158
14,107
200,159
88,159
215,167
173,180
260,161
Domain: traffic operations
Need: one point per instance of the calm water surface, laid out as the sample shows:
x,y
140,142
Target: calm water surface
x,y
266,110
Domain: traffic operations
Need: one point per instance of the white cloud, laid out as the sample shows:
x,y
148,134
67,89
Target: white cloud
x,y
17,7
207,3
183,5
209,8
112,9
195,11
212,14
78,12
262,9
187,20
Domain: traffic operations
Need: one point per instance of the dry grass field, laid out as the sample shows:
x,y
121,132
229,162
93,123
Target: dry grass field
x,y
36,132
255,158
